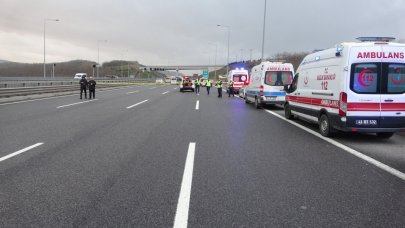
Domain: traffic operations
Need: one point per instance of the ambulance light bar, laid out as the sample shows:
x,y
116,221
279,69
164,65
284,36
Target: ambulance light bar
x,y
375,39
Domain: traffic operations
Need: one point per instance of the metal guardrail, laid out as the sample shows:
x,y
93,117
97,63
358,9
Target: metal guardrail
x,y
41,83
23,91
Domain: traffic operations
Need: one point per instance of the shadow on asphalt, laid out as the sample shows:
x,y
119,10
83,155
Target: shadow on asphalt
x,y
352,136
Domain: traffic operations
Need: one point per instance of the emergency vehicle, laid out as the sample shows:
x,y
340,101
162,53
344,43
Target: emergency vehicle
x,y
240,78
186,84
267,82
357,86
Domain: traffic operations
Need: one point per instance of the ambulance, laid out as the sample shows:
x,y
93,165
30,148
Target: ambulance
x,y
186,84
355,87
240,78
267,82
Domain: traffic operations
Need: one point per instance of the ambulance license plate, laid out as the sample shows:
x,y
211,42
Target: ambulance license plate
x,y
273,98
366,122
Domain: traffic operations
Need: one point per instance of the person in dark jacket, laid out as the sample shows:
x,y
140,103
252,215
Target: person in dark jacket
x,y
92,88
83,87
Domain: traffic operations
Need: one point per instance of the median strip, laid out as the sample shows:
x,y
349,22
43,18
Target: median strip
x,y
136,104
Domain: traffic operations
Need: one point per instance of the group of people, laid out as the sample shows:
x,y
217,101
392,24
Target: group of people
x,y
208,85
90,85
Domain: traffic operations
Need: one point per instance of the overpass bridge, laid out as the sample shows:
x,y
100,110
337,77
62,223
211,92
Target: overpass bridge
x,y
178,67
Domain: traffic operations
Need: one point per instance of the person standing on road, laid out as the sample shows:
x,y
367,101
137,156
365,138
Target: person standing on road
x,y
83,87
197,83
92,88
208,85
219,87
230,89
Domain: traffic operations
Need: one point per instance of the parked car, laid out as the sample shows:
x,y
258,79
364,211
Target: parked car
x,y
80,75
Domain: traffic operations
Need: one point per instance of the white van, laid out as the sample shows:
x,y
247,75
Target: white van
x,y
80,75
358,87
267,82
173,80
240,78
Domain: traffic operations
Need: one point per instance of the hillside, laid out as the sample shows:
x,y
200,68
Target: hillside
x,y
67,69
293,58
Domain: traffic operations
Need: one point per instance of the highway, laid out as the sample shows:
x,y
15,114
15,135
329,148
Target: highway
x,y
150,156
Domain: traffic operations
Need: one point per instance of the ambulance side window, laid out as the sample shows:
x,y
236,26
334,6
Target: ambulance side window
x,y
365,77
294,84
396,78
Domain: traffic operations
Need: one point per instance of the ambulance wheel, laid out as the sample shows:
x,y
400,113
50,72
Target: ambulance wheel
x,y
246,100
257,104
385,135
181,90
324,126
287,112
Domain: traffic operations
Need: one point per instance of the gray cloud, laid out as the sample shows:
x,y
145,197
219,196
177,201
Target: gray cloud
x,y
178,31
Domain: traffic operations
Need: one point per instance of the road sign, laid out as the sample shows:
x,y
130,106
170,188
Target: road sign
x,y
205,73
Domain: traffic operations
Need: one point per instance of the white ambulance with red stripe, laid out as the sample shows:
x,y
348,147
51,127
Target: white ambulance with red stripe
x,y
240,78
357,87
267,81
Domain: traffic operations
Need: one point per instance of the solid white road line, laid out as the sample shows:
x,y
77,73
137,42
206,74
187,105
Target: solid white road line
x,y
354,152
136,104
133,92
165,92
181,219
20,151
197,105
62,106
152,88
174,88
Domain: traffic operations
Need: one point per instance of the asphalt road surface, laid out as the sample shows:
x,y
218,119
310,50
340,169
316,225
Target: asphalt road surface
x,y
150,156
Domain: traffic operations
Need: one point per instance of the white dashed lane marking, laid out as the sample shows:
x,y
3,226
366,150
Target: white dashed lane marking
x,y
183,204
136,104
20,151
63,106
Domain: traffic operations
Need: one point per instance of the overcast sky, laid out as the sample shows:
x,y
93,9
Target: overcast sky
x,y
178,32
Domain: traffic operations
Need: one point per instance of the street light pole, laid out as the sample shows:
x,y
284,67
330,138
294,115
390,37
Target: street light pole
x,y
45,20
215,60
264,28
122,61
229,37
98,54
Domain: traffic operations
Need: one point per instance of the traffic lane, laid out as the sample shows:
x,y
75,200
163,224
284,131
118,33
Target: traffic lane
x,y
28,109
147,195
254,170
27,126
388,151
122,171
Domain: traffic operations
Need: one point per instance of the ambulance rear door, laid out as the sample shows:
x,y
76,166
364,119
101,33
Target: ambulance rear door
x,y
364,95
393,87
